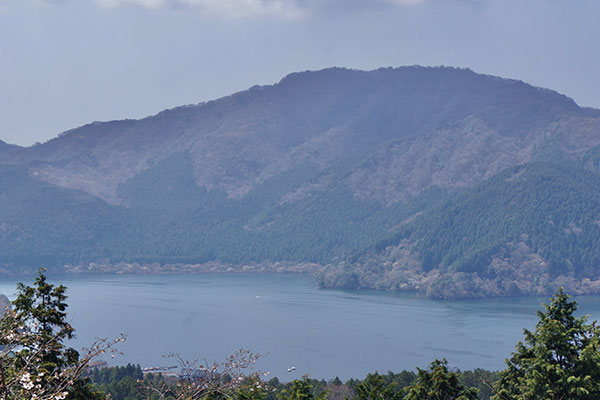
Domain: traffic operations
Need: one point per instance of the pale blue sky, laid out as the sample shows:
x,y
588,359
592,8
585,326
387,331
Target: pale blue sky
x,y
65,63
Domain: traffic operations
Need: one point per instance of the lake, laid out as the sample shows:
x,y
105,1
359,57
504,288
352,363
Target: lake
x,y
323,333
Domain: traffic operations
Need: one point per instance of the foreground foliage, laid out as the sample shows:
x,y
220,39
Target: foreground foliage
x,y
34,360
559,360
439,383
211,381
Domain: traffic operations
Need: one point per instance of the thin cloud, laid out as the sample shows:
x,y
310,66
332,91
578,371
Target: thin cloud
x,y
405,2
141,3
254,8
289,9
219,8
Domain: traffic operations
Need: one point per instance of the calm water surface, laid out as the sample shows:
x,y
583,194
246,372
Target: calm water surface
x,y
321,332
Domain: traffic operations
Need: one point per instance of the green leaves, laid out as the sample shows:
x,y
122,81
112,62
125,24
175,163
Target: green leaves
x,y
438,383
558,360
301,389
34,361
374,387
41,311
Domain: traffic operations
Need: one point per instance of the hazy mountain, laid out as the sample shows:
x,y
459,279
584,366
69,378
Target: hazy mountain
x,y
6,149
432,179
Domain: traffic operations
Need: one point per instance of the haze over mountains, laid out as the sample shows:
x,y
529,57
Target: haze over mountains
x,y
432,179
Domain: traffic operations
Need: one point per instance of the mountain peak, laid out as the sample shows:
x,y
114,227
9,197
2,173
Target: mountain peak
x,y
315,168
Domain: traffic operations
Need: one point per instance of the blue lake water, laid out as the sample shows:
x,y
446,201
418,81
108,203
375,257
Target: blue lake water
x,y
323,333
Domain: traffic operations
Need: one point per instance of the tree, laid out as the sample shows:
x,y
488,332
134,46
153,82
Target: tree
x,y
301,389
438,383
253,388
212,381
374,387
34,360
559,360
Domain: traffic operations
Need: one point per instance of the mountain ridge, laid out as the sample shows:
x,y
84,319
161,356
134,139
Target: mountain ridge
x,y
322,167
71,141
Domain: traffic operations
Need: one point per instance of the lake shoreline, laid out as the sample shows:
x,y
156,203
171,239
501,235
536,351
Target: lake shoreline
x,y
420,284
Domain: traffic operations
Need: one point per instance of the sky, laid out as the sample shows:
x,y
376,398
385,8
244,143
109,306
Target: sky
x,y
65,63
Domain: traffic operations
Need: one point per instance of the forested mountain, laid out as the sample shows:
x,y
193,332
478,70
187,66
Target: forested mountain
x,y
433,179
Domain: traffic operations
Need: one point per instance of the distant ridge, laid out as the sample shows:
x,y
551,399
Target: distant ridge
x,y
371,177
5,148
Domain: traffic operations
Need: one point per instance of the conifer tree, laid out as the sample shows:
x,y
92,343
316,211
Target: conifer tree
x,y
438,383
35,361
559,360
301,389
374,387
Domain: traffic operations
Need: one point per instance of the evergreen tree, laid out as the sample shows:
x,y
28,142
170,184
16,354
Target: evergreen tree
x,y
301,389
559,360
34,361
374,387
438,383
41,311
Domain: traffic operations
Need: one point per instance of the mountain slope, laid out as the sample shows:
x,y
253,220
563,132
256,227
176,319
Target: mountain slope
x,y
520,232
338,167
324,116
7,149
